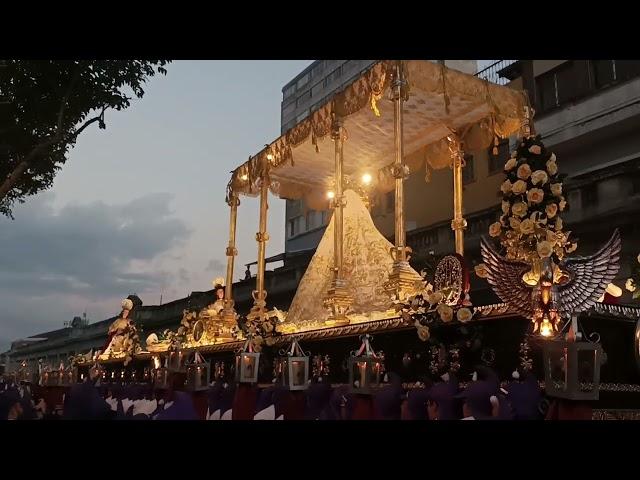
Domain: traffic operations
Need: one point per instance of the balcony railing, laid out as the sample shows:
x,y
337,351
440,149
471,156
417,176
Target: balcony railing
x,y
492,72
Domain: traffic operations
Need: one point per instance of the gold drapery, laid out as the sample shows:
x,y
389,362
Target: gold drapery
x,y
303,159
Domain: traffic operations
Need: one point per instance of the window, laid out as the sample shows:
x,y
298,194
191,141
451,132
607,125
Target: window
x,y
626,69
302,81
302,116
293,227
589,195
312,219
288,91
303,97
390,201
289,109
333,76
546,89
468,171
603,73
496,162
317,69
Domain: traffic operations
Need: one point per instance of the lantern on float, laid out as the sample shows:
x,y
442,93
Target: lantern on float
x,y
160,374
292,368
366,368
198,373
572,367
176,361
247,362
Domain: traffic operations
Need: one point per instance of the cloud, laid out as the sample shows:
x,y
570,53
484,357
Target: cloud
x,y
216,266
52,262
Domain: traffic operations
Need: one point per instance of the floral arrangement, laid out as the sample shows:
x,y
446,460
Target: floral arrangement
x,y
531,225
262,331
633,282
430,308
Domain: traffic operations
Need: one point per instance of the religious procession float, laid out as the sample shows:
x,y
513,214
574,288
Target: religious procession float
x,y
361,311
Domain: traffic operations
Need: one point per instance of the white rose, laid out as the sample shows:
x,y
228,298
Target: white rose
x,y
445,312
527,226
511,163
519,209
464,315
551,210
545,249
535,195
524,171
519,187
562,204
506,186
505,207
481,270
535,149
558,224
435,298
552,167
495,229
514,223
556,189
539,177
423,333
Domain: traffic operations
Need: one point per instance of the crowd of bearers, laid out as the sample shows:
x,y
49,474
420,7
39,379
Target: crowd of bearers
x,y
483,397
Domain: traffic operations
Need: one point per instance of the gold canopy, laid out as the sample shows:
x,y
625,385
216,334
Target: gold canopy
x,y
441,100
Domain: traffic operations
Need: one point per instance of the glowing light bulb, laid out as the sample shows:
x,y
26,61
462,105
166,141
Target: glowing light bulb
x,y
269,156
366,178
244,177
331,195
546,329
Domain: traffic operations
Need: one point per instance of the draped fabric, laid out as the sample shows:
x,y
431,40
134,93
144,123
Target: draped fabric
x,y
440,101
367,263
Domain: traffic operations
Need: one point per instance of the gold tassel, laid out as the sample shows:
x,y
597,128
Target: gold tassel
x,y
374,104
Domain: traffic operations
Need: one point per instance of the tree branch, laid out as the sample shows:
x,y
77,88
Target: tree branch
x,y
10,182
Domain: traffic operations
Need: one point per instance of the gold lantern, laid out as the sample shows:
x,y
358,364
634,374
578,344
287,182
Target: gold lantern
x,y
292,368
366,368
198,373
247,362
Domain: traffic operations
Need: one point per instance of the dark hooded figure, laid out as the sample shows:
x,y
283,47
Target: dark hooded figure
x,y
441,402
182,408
525,396
10,405
502,410
417,400
83,402
214,397
341,404
317,399
477,400
388,400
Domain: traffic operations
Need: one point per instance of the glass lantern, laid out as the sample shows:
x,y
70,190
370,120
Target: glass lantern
x,y
247,362
292,368
366,368
176,361
160,374
572,369
198,373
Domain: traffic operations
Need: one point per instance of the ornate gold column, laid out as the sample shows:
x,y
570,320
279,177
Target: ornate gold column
x,y
402,279
259,309
338,299
228,313
458,224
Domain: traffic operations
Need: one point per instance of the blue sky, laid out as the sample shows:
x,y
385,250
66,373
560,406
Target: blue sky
x,y
140,207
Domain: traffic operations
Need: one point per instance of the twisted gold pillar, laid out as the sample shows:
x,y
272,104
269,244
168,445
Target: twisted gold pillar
x,y
229,313
402,279
338,299
458,224
259,310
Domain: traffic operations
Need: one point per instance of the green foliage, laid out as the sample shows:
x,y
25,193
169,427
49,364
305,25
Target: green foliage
x,y
45,105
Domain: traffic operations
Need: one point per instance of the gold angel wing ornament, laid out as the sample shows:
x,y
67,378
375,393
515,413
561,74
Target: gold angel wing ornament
x,y
589,277
505,277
